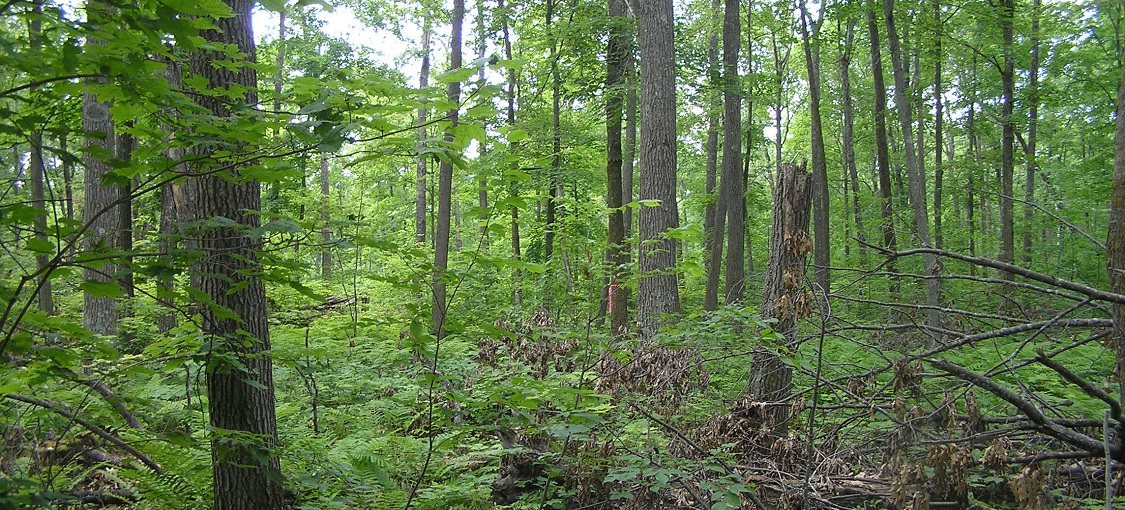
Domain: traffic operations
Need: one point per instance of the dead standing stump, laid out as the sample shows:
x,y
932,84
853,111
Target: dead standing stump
x,y
785,298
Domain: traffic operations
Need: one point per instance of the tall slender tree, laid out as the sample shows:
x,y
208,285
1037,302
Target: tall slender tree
x,y
713,244
733,182
847,147
38,173
882,150
916,179
1006,12
616,48
1032,134
445,180
939,118
423,159
810,41
1115,242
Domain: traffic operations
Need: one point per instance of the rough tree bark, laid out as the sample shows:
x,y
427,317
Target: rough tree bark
x,y
657,291
785,297
1115,242
445,181
99,313
38,178
733,182
615,90
247,474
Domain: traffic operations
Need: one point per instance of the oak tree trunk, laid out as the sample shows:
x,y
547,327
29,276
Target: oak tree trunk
x,y
657,291
733,182
247,474
1115,242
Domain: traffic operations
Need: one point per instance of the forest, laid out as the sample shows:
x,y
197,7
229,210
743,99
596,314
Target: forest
x,y
562,254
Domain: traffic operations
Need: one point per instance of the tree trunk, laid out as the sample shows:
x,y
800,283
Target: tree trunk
x,y
1115,242
616,49
882,151
713,244
172,206
513,150
124,155
482,176
970,206
325,231
38,177
657,291
821,261
247,474
939,170
423,159
1007,139
629,151
1032,125
555,193
278,85
848,145
732,156
916,180
99,313
445,181
784,297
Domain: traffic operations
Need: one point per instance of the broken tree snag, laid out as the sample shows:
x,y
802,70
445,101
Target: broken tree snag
x,y
785,298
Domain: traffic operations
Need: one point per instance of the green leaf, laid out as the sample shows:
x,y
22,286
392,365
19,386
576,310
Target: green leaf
x,y
456,75
37,245
101,289
273,5
323,5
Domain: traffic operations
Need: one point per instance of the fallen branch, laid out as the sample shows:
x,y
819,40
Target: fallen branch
x,y
96,430
1086,386
1033,413
1018,270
